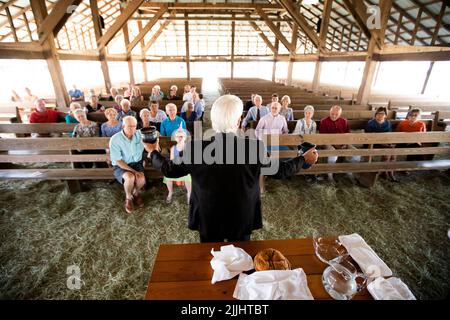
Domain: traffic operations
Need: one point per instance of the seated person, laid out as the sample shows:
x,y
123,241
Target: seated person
x,y
113,93
173,93
126,151
30,97
136,95
412,123
306,125
256,112
379,124
199,105
126,110
286,112
172,122
42,114
335,124
76,94
144,116
128,92
118,99
272,123
93,105
112,126
70,117
156,115
157,94
86,129
250,103
187,95
274,99
189,115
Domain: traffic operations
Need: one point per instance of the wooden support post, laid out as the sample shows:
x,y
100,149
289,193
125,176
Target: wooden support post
x,y
275,55
126,37
233,27
368,76
144,62
101,51
316,80
293,53
188,57
427,78
51,56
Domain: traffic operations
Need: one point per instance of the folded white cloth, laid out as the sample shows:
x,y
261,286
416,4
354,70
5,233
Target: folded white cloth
x,y
229,262
390,289
273,285
367,259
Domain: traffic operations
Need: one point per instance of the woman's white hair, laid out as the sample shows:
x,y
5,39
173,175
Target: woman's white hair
x,y
309,108
144,110
225,114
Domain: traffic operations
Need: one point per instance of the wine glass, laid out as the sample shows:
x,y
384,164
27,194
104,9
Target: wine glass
x,y
328,248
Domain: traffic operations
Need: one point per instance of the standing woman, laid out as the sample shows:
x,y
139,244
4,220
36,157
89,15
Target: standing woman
x,y
306,125
286,112
380,124
180,137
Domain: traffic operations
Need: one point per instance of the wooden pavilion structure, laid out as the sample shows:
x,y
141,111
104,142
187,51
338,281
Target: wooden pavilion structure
x,y
225,30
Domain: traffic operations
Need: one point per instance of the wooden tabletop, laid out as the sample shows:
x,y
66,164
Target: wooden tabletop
x,y
183,271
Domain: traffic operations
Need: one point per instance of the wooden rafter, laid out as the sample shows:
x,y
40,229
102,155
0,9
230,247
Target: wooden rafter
x,y
158,33
132,6
359,12
262,36
60,13
147,28
274,29
295,15
327,7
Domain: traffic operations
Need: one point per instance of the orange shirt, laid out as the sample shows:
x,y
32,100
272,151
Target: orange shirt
x,y
404,126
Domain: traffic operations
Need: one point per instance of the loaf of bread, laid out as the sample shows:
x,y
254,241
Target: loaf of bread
x,y
271,259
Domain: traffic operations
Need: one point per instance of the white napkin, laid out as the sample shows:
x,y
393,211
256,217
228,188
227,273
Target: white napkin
x,y
390,289
367,259
273,285
229,262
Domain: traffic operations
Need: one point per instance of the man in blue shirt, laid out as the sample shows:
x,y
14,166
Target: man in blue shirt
x,y
76,94
126,151
172,122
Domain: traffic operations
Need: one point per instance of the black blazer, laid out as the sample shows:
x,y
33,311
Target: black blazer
x,y
225,200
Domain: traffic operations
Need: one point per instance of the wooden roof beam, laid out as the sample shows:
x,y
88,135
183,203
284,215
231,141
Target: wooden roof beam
x,y
157,33
358,10
61,12
275,30
300,20
263,37
121,20
147,28
326,14
7,4
212,6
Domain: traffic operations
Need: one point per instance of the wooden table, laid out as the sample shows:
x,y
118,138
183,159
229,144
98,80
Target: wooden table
x,y
183,271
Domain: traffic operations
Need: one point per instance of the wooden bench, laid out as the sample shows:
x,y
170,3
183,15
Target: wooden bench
x,y
57,150
434,143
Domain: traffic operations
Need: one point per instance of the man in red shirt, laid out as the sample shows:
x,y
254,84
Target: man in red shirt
x,y
42,114
335,124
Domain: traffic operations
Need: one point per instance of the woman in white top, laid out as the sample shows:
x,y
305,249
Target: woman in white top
x,y
306,125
